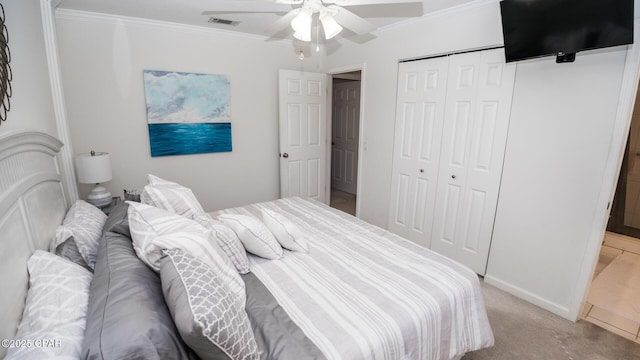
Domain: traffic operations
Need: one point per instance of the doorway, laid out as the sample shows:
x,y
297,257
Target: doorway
x,y
345,139
615,288
625,211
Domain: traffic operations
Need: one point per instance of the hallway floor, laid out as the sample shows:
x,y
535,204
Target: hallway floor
x,y
343,201
612,302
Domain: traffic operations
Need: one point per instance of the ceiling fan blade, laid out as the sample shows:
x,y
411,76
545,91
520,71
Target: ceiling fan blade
x,y
368,2
235,6
282,23
350,20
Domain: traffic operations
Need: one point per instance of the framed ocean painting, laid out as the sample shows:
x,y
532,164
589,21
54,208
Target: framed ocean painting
x,y
187,113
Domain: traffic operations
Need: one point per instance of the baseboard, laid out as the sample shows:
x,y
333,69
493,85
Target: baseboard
x,y
555,308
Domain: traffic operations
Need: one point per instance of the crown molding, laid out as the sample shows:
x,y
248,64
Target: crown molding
x,y
93,17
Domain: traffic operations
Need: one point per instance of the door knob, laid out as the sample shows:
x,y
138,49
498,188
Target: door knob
x,y
285,155
453,176
421,170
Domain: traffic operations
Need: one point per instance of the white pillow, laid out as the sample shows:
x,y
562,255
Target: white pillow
x,y
170,196
255,236
84,222
154,230
286,232
55,309
228,241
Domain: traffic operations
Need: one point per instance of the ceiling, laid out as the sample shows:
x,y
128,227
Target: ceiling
x,y
190,12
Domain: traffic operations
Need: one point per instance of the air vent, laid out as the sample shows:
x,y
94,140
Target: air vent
x,y
223,21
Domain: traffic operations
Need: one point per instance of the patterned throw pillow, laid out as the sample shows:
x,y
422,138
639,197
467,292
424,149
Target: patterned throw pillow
x,y
255,236
55,309
286,231
154,230
84,223
170,196
209,318
228,241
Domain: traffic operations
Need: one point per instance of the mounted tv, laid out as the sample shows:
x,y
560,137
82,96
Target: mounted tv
x,y
534,28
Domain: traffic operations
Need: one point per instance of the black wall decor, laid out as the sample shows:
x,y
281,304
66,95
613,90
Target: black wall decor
x,y
5,69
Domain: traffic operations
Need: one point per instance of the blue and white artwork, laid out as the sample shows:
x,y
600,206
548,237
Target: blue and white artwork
x,y
187,113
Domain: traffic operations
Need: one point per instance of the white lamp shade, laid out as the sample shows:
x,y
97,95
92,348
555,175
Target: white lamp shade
x,y
302,22
93,169
330,26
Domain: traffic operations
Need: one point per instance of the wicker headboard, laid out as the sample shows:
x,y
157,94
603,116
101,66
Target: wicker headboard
x,y
32,205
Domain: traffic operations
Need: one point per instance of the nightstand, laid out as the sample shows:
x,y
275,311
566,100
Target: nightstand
x,y
114,201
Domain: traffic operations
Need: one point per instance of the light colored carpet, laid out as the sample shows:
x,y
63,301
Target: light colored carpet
x,y
524,331
622,278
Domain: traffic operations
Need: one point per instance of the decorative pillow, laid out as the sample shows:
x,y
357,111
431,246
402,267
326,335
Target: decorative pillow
x,y
69,250
84,222
170,196
209,317
127,316
55,310
228,241
286,232
153,230
255,236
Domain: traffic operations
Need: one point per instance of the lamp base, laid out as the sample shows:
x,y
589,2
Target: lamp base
x,y
99,196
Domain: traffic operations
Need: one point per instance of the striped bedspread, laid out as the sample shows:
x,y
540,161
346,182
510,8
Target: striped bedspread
x,y
364,293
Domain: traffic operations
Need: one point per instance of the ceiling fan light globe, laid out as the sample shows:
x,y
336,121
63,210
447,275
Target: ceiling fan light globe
x,y
302,22
330,26
303,36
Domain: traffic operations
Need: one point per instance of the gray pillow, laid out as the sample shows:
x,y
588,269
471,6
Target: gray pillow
x,y
69,250
210,318
127,317
118,222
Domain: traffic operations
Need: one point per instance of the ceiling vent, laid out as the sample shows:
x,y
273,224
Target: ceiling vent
x,y
223,21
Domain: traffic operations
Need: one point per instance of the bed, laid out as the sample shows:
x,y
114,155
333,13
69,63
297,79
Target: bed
x,y
355,292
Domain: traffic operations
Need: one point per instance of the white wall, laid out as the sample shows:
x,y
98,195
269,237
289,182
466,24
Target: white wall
x,y
102,62
559,138
31,102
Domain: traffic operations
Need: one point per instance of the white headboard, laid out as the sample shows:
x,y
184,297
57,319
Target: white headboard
x,y
32,205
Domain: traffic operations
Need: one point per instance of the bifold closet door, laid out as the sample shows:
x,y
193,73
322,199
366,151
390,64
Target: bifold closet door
x,y
478,108
418,134
452,117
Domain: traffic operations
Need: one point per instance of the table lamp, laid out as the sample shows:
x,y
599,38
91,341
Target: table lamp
x,y
95,168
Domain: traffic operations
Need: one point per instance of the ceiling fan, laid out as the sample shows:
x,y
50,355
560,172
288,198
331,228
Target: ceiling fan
x,y
300,14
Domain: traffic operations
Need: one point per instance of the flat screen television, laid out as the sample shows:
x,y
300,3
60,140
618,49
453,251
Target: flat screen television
x,y
534,28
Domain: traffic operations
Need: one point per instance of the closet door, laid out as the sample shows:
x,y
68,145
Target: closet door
x,y
418,135
478,107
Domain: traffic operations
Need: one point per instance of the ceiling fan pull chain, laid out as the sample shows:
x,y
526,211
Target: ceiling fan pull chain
x,y
318,36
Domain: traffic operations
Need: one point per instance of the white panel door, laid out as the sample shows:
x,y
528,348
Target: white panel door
x,y
479,91
345,125
303,141
418,135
